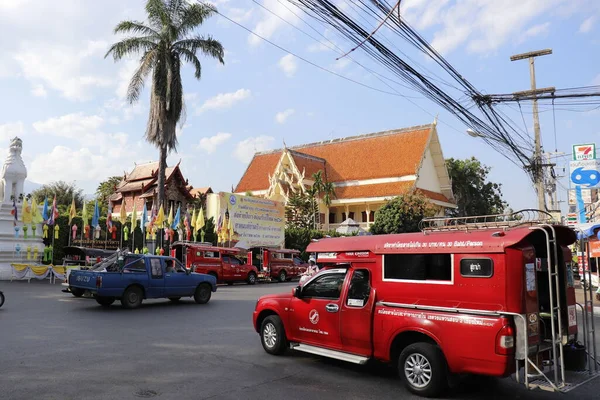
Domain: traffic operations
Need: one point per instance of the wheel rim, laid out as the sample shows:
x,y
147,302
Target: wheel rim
x,y
417,370
282,277
270,335
133,297
252,278
204,293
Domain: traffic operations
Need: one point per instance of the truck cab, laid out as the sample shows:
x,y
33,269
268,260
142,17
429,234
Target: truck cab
x,y
493,299
277,264
225,264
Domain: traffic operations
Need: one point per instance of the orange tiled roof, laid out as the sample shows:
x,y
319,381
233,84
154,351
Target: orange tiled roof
x,y
309,164
380,155
377,190
434,196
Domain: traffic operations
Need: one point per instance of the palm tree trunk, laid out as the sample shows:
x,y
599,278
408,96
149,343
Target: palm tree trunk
x,y
162,166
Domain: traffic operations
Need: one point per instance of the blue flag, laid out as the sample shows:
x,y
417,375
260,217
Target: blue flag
x,y
96,216
144,218
177,218
580,205
45,210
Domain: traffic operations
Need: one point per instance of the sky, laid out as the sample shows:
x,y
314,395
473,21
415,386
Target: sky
x,y
67,102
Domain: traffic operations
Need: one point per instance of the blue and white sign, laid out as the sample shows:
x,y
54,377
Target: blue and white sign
x,y
585,173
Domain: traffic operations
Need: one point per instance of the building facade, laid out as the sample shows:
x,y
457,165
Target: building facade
x,y
366,171
141,185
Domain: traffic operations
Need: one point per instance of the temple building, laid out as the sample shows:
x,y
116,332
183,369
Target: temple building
x,y
141,185
366,171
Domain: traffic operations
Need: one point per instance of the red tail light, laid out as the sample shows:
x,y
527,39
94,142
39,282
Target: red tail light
x,y
505,341
99,281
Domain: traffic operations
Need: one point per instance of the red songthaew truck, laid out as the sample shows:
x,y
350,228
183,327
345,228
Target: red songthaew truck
x,y
277,264
489,295
221,262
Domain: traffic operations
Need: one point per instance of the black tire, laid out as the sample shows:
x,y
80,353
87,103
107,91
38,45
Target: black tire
x,y
175,299
282,276
251,278
203,293
77,292
1,299
105,301
229,283
423,369
272,335
132,298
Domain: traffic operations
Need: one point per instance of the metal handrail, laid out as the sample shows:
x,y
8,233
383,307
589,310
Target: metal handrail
x,y
511,220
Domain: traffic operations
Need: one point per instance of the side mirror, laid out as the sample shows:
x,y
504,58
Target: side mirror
x,y
297,292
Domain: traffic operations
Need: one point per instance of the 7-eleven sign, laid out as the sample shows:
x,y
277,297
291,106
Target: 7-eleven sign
x,y
584,152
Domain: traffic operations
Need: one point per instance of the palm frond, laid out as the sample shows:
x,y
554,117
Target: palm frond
x,y
191,58
130,46
193,16
158,14
208,46
136,85
135,27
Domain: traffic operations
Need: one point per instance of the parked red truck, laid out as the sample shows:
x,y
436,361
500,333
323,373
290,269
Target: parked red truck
x,y
460,297
277,264
221,262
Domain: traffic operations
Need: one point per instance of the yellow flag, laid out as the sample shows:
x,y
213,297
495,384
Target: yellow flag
x,y
84,215
36,217
72,211
26,212
123,212
170,219
160,218
133,217
200,220
193,221
230,231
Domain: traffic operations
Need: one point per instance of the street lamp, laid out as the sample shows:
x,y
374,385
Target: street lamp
x,y
474,134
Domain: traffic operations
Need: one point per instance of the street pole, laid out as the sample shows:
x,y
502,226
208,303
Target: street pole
x,y
536,164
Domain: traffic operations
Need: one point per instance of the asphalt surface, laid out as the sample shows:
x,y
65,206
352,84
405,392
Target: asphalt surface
x,y
55,346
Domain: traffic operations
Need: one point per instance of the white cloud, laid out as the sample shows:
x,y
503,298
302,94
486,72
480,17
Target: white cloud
x,y
244,150
63,67
288,65
317,47
39,91
124,77
10,130
587,25
540,29
270,23
210,144
70,126
240,15
479,26
282,116
224,100
342,63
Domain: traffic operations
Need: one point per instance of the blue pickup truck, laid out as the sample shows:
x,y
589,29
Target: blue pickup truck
x,y
131,278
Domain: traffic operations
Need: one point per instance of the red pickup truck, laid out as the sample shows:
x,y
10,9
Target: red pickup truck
x,y
221,262
277,264
492,300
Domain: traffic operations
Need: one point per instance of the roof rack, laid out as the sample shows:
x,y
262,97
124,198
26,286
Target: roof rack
x,y
504,221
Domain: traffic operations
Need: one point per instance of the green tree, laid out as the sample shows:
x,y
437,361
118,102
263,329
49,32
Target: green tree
x,y
402,214
165,42
473,193
64,191
105,190
299,211
320,189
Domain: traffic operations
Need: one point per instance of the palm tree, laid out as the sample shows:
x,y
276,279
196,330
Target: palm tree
x,y
165,42
320,188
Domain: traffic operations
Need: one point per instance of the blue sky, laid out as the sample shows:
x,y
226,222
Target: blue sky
x,y
67,102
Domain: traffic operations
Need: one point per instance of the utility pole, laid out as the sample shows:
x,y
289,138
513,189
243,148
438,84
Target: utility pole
x,y
536,164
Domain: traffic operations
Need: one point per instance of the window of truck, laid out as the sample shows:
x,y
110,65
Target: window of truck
x,y
156,268
359,290
418,268
298,260
477,267
328,286
134,264
211,254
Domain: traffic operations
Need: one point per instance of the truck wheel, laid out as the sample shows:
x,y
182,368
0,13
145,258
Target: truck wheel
x,y
105,301
203,293
272,335
77,292
282,276
423,368
132,298
1,299
251,278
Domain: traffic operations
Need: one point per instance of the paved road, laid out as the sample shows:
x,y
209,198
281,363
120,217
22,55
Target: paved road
x,y
54,346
